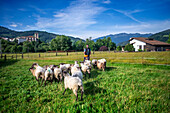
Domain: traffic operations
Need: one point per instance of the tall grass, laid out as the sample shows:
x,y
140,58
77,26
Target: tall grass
x,y
129,57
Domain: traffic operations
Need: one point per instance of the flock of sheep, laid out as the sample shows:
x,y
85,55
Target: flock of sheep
x,y
73,81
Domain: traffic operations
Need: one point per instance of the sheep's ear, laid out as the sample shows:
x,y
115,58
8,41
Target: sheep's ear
x,y
61,63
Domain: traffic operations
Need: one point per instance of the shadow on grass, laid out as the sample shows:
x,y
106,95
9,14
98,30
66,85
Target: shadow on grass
x,y
91,89
94,73
4,63
109,68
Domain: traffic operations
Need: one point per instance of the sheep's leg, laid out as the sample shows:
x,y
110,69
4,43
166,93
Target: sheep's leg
x,y
64,91
42,82
51,80
57,79
61,78
89,75
45,83
76,97
75,92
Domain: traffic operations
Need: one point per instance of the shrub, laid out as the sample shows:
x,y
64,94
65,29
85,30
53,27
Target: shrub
x,y
103,48
119,48
140,50
129,47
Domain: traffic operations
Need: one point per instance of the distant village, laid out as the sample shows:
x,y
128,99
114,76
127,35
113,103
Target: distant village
x,y
23,38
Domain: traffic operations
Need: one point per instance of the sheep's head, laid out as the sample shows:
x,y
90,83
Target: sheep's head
x,y
34,65
45,67
30,69
53,67
76,62
65,73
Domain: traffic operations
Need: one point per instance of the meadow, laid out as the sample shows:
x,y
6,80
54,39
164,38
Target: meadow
x,y
123,87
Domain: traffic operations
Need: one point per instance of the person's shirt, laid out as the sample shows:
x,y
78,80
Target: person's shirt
x,y
87,51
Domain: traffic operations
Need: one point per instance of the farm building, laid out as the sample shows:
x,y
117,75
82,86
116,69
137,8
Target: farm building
x,y
148,44
28,38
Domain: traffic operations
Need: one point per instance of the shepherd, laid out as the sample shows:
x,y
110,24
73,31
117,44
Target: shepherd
x,y
87,53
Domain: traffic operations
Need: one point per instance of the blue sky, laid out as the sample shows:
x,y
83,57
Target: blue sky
x,y
86,18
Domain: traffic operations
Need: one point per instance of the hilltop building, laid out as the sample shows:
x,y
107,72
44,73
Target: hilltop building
x,y
27,38
148,44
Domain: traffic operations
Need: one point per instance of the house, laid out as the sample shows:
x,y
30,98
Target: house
x,y
4,38
27,38
148,44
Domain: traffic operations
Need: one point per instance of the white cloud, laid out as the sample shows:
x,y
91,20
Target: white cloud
x,y
129,14
150,27
13,25
78,16
106,1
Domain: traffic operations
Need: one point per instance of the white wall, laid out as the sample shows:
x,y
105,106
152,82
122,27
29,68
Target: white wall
x,y
21,40
137,43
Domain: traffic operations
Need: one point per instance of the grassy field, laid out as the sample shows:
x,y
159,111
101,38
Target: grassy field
x,y
121,88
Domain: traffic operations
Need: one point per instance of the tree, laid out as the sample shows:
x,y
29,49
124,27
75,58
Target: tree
x,y
129,47
78,46
19,48
168,39
13,49
61,43
119,48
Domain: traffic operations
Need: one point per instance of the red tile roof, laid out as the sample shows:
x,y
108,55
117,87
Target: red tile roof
x,y
150,41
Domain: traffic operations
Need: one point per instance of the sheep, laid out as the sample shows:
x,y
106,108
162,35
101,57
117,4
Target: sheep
x,y
85,69
48,74
65,67
42,72
57,73
101,64
76,72
76,64
103,61
38,72
73,83
88,63
94,63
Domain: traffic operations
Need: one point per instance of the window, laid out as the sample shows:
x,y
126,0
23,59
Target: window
x,y
140,46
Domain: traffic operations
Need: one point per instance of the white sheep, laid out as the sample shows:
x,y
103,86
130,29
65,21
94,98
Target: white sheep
x,y
57,73
76,64
94,63
65,67
48,74
38,72
73,83
76,72
88,63
85,69
101,64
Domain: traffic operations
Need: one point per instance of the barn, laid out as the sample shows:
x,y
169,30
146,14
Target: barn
x,y
148,44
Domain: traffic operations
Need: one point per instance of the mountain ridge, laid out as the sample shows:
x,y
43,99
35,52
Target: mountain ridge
x,y
44,35
121,37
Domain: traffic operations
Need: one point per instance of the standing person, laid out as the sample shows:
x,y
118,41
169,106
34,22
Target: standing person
x,y
87,53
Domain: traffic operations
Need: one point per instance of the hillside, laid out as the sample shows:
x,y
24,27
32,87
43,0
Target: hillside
x,y
121,37
43,35
161,36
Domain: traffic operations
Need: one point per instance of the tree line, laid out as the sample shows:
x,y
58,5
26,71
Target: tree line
x,y
60,43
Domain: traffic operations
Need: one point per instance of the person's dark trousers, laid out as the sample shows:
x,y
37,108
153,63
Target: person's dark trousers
x,y
86,58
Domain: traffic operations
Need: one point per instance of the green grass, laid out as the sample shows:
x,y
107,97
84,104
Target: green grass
x,y
121,88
